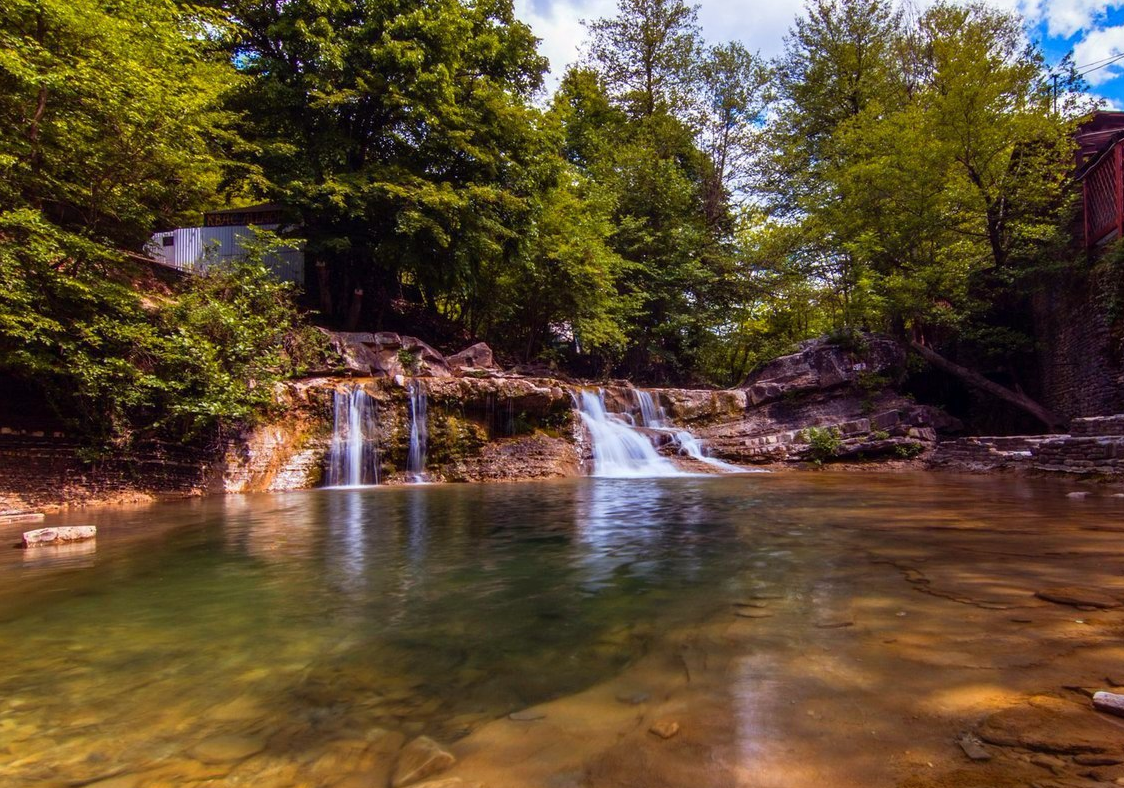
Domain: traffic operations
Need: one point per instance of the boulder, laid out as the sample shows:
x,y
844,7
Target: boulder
x,y
60,535
479,356
1109,702
383,353
820,365
429,361
421,758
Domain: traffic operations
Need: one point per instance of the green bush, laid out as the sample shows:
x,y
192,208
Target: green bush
x,y
409,360
116,362
825,442
908,451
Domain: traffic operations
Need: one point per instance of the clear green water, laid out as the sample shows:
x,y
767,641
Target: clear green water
x,y
299,619
425,609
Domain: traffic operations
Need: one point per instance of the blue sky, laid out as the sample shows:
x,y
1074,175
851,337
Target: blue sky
x,y
1093,30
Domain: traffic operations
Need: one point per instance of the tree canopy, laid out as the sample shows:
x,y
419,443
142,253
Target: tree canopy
x,y
674,210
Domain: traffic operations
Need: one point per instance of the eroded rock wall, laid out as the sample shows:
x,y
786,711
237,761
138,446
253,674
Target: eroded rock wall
x,y
479,429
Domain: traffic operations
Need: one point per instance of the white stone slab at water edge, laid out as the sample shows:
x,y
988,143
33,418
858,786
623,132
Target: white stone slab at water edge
x,y
52,536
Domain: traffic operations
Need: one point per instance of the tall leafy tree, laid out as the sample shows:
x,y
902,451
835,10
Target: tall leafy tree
x,y
111,125
648,54
110,119
935,173
734,94
400,134
639,133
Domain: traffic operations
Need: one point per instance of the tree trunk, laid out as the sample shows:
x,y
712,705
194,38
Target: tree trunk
x,y
355,310
324,285
975,379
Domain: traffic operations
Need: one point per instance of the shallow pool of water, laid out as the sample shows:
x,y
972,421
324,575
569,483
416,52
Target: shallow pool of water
x,y
203,635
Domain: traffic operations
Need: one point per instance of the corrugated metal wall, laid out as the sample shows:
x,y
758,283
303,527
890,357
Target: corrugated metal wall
x,y
195,248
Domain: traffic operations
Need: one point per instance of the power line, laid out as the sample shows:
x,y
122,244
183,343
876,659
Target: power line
x,y
1095,62
1109,62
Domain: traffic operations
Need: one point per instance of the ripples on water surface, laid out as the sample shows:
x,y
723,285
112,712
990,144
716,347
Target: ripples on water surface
x,y
295,619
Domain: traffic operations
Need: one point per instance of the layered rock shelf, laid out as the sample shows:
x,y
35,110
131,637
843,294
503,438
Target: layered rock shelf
x,y
824,403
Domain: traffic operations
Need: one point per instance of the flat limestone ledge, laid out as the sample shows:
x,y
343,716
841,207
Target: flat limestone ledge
x,y
42,537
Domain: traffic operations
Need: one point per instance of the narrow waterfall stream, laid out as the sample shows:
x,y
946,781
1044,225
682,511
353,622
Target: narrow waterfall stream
x,y
653,417
353,457
619,450
419,432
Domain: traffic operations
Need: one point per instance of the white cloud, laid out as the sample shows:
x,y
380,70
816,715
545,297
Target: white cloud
x,y
559,25
1097,46
761,25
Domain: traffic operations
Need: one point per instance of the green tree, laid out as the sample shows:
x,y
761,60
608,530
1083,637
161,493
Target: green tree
x,y
400,134
734,94
112,124
935,187
648,54
110,119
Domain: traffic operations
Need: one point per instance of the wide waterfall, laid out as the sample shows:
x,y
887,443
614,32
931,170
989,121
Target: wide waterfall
x,y
419,432
353,458
619,450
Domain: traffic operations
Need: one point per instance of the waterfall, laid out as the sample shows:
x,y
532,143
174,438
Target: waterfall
x,y
693,448
650,415
419,432
653,417
353,458
619,451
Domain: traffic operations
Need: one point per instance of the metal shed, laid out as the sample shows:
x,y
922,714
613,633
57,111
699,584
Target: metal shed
x,y
194,249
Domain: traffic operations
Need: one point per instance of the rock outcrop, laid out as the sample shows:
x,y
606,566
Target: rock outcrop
x,y
821,365
476,358
828,401
385,354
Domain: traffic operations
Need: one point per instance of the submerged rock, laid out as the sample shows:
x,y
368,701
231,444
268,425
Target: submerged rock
x,y
1045,723
1078,597
421,758
224,749
527,715
633,698
973,748
665,729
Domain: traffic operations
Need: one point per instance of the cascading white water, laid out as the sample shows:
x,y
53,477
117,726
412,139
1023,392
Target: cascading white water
x,y
419,431
653,417
650,414
353,457
619,451
693,448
